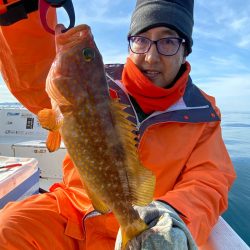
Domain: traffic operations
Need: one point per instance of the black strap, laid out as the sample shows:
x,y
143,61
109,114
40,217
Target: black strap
x,y
42,191
18,11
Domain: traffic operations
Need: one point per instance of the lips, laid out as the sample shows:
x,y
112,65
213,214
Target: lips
x,y
151,74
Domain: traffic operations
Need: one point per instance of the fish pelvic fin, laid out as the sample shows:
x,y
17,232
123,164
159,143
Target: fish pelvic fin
x,y
141,180
131,231
53,141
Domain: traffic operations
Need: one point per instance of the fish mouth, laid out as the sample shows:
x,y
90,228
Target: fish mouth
x,y
74,35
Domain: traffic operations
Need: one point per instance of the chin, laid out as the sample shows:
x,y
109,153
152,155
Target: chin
x,y
158,84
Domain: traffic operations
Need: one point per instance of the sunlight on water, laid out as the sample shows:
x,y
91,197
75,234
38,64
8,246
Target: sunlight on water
x,y
236,134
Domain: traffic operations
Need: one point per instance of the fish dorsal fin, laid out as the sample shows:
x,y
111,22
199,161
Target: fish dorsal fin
x,y
141,180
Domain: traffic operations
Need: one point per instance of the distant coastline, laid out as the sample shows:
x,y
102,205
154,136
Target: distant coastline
x,y
10,105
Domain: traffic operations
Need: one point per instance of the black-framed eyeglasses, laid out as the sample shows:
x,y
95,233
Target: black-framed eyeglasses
x,y
167,46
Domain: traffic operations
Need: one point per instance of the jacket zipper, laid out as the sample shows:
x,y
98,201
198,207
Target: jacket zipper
x,y
139,124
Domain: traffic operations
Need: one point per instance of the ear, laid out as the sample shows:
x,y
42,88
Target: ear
x,y
185,54
183,59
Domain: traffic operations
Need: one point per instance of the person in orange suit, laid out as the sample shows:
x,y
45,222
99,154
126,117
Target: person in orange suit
x,y
179,139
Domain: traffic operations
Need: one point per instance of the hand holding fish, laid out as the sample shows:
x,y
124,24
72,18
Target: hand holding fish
x,y
166,230
96,132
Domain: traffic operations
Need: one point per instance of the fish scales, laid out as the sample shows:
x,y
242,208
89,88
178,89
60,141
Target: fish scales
x,y
89,126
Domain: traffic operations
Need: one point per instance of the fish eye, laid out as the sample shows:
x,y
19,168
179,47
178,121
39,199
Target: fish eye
x,y
88,54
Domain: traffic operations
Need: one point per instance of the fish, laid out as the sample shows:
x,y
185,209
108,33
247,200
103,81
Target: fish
x,y
96,131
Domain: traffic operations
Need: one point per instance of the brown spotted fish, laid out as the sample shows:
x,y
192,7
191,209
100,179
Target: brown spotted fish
x,y
95,131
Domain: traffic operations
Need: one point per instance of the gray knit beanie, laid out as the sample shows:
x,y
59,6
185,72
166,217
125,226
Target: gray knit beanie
x,y
174,14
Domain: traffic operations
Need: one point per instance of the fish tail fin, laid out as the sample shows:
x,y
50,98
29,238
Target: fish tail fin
x,y
125,239
141,180
132,230
53,141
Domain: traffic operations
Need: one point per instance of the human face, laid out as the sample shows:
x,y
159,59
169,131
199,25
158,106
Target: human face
x,y
161,70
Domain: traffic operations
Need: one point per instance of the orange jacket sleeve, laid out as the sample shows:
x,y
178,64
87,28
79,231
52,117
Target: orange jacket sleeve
x,y
26,53
207,178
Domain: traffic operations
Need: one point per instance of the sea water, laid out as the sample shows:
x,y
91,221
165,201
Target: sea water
x,y
236,134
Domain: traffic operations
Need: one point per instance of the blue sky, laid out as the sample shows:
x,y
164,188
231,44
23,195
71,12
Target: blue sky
x,y
221,51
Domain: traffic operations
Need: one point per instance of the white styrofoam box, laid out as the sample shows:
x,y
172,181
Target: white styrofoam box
x,y
21,135
50,164
19,122
6,144
18,182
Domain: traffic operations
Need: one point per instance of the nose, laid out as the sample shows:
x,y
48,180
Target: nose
x,y
152,56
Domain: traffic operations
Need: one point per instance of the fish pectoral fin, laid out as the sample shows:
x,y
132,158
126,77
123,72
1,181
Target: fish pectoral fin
x,y
97,203
48,119
53,141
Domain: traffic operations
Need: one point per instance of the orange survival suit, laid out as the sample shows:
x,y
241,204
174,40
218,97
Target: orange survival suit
x,y
183,146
